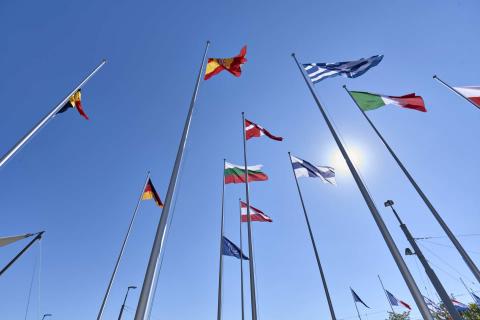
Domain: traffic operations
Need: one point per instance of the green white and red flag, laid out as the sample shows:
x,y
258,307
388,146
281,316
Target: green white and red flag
x,y
236,174
370,101
254,130
255,214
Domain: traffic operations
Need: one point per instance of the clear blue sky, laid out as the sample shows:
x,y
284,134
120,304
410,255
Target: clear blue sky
x,y
79,180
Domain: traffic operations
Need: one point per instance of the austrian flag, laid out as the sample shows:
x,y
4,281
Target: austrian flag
x,y
254,130
255,214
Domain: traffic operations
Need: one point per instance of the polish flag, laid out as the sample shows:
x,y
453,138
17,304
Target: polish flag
x,y
471,93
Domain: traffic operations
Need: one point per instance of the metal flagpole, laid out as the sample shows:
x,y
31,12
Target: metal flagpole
x,y
45,119
251,265
385,291
422,195
322,275
430,273
38,237
146,295
355,302
407,276
220,270
241,262
122,249
454,90
469,292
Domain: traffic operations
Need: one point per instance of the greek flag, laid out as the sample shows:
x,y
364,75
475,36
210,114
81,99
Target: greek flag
x,y
230,249
304,168
350,69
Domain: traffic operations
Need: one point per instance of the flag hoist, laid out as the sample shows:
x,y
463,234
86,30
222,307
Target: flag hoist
x,y
72,100
407,276
149,282
473,268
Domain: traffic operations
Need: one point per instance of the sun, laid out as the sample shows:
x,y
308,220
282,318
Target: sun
x,y
356,155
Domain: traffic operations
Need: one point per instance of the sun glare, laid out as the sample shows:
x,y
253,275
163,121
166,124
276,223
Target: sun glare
x,y
356,155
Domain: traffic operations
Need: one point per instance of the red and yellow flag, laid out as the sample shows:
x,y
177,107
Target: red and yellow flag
x,y
151,193
232,65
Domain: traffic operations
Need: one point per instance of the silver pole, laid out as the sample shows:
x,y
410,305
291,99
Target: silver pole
x,y
220,270
122,249
241,263
46,118
407,276
454,90
436,215
251,265
125,301
355,302
322,275
385,291
148,288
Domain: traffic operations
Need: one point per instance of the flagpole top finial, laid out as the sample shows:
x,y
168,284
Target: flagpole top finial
x,y
104,60
434,76
344,86
293,54
208,42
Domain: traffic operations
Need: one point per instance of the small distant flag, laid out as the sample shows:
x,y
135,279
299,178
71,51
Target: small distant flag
x,y
150,193
350,69
232,65
471,93
370,101
396,302
254,130
304,168
461,307
477,299
230,249
255,214
75,102
356,298
236,174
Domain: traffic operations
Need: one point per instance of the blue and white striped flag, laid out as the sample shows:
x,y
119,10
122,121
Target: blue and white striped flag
x,y
350,69
304,168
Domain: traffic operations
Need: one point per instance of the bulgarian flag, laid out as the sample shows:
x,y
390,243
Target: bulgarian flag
x,y
254,130
370,101
232,65
471,93
255,214
236,174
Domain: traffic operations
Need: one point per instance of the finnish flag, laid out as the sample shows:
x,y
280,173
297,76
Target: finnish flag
x,y
304,168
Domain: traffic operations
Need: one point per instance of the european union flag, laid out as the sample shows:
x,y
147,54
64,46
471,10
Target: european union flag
x,y
230,249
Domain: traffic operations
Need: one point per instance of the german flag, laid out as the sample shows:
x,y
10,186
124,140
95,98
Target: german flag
x,y
232,65
151,193
74,102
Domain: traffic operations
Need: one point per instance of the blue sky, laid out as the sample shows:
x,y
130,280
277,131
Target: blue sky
x,y
79,180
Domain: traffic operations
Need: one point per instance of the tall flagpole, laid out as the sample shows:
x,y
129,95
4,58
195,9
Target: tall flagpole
x,y
253,294
122,249
220,270
473,268
355,302
241,263
454,90
322,275
407,276
46,118
386,295
148,288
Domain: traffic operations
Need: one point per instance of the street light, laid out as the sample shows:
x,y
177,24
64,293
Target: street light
x,y
125,300
46,315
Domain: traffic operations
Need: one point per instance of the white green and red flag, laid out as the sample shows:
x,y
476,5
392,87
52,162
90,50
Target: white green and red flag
x,y
253,130
255,214
471,93
370,101
236,174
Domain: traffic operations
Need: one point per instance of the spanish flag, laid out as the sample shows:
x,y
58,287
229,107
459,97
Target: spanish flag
x,y
151,193
75,102
232,65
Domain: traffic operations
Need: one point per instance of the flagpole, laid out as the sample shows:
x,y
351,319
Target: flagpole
x,y
37,237
220,270
454,90
122,249
407,276
322,275
385,291
473,268
149,282
46,118
241,262
251,265
469,292
355,302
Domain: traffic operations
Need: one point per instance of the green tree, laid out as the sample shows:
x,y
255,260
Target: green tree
x,y
473,312
399,316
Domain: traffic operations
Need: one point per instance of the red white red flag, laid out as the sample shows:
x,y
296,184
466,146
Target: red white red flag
x,y
255,214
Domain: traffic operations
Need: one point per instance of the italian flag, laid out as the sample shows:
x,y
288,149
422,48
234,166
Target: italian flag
x,y
255,214
236,174
471,93
370,101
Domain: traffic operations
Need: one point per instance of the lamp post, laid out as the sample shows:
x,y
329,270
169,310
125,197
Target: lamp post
x,y
125,300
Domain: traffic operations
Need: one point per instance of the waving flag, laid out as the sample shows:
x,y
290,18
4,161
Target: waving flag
x,y
396,302
255,214
230,249
471,93
356,298
74,102
370,101
151,193
304,168
236,174
232,65
461,307
254,130
8,240
350,69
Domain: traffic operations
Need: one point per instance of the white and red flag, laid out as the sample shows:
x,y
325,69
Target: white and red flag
x,y
471,93
255,214
254,130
